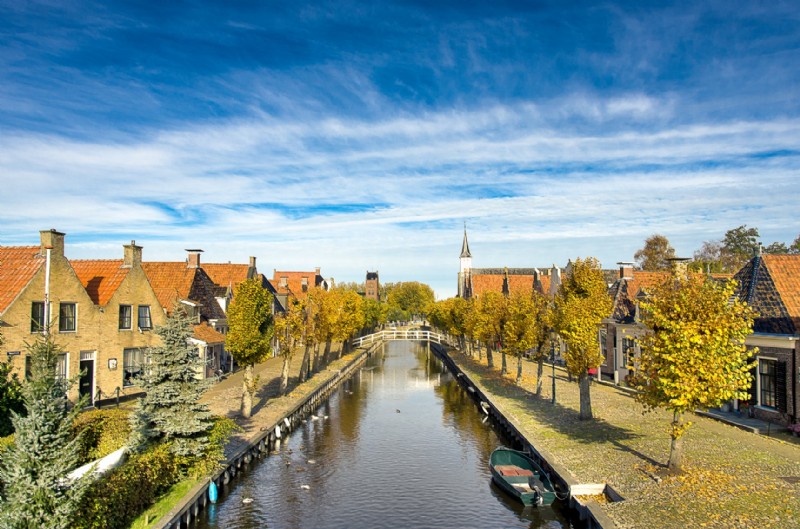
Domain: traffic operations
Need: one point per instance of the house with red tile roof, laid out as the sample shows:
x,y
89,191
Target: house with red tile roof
x,y
771,285
474,282
296,284
100,312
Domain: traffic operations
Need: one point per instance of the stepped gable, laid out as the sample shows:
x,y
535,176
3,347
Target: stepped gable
x,y
101,277
18,265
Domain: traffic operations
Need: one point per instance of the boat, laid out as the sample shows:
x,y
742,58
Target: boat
x,y
521,477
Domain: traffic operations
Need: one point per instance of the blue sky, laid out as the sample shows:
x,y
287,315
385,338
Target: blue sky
x,y
361,135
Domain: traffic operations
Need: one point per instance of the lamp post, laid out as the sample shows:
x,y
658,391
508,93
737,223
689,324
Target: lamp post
x,y
553,360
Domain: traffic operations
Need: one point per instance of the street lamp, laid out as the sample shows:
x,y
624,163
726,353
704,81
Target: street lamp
x,y
553,336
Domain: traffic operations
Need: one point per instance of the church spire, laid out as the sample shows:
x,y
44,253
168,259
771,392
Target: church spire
x,y
465,245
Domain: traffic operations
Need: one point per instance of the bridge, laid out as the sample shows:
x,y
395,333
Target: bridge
x,y
400,334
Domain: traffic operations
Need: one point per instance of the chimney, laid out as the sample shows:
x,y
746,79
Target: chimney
x,y
132,255
625,270
679,266
52,239
194,257
316,271
252,261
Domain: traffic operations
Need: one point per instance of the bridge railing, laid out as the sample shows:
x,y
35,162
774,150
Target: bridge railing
x,y
399,334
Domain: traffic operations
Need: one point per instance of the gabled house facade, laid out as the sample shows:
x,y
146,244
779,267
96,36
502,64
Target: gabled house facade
x,y
99,312
296,284
770,284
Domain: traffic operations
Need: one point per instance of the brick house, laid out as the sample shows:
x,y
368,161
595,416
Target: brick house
x,y
473,282
296,284
771,285
188,286
98,312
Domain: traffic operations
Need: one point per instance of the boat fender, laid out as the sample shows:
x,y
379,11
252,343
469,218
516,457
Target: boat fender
x,y
212,492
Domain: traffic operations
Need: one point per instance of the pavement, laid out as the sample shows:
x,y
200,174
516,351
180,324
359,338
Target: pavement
x,y
224,398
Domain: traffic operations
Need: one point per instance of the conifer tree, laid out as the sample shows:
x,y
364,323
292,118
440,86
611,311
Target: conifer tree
x,y
34,469
171,409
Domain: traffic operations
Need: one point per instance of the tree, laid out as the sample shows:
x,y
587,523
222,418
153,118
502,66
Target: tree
x,y
10,398
250,329
35,466
349,317
655,254
171,410
794,249
522,328
776,248
374,313
708,258
695,356
289,330
490,315
738,246
409,299
581,304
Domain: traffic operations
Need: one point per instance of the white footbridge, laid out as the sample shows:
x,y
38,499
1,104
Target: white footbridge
x,y
388,335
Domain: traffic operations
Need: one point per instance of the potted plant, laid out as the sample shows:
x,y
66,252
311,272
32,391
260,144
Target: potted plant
x,y
746,408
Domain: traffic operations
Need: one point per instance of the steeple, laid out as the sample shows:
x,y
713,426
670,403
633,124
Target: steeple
x,y
465,245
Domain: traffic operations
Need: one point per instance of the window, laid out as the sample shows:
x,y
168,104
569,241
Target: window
x,y
767,383
627,352
144,317
37,316
61,366
125,317
132,366
66,317
304,284
284,282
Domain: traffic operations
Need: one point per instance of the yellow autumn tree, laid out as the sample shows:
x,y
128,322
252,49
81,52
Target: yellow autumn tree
x,y
289,331
580,306
694,356
522,329
250,327
489,319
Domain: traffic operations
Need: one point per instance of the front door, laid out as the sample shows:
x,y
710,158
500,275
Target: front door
x,y
86,382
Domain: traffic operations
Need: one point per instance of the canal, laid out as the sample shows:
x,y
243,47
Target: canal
x,y
398,445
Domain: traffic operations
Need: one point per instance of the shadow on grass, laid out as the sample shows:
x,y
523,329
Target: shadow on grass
x,y
560,418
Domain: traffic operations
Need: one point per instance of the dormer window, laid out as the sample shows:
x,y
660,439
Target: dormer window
x,y
304,284
284,282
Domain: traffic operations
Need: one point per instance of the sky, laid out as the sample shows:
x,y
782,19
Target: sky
x,y
365,135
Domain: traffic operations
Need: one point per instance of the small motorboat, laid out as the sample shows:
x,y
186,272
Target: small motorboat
x,y
520,476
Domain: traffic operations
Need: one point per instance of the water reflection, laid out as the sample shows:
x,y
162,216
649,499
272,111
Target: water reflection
x,y
398,445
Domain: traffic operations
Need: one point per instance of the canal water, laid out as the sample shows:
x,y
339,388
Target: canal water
x,y
400,445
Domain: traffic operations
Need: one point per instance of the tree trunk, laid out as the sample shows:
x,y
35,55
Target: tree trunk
x,y
326,354
315,366
584,382
503,362
287,362
519,369
539,371
345,348
248,388
305,364
489,358
675,464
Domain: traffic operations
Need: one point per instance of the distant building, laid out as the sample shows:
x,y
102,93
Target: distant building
x,y
372,288
296,284
473,282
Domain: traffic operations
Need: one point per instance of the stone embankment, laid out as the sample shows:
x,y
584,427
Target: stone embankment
x,y
732,479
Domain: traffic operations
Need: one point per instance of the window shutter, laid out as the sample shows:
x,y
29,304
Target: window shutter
x,y
780,386
754,386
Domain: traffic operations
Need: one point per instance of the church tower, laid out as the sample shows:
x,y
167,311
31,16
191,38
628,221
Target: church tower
x,y
464,269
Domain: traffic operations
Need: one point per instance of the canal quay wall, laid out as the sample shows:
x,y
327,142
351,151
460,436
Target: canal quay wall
x,y
589,512
259,444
